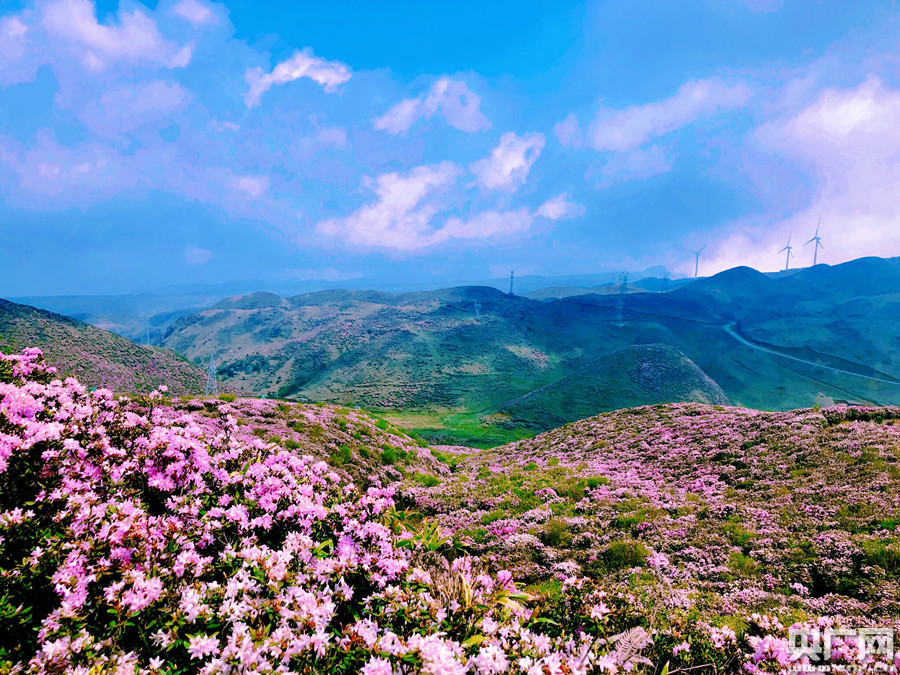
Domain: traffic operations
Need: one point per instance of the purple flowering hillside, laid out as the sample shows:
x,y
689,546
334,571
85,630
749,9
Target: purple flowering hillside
x,y
140,537
153,536
698,516
95,356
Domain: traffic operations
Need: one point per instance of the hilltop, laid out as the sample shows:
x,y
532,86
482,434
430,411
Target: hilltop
x,y
96,356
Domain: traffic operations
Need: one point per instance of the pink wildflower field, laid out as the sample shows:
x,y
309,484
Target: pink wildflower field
x,y
155,535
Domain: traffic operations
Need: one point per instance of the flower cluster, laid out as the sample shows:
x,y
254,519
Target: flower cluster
x,y
140,537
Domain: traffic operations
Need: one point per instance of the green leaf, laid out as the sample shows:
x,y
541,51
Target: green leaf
x,y
542,619
475,640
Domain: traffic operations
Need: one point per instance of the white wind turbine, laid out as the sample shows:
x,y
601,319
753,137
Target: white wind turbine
x,y
787,262
818,245
697,259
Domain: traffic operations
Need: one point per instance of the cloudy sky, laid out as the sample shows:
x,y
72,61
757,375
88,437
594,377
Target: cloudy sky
x,y
187,141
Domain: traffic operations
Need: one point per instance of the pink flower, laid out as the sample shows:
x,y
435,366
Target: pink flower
x,y
201,646
377,666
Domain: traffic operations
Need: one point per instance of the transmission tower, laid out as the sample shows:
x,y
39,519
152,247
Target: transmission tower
x,y
620,312
212,385
511,275
478,310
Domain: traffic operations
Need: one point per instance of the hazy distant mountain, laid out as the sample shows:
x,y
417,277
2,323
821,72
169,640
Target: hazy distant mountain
x,y
133,314
97,357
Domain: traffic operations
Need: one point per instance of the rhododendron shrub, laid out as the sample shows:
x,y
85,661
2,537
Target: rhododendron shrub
x,y
136,538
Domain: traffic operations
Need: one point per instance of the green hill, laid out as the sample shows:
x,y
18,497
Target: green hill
x,y
428,353
637,375
97,357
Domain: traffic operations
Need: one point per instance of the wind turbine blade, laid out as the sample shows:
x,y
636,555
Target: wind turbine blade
x,y
810,241
783,250
819,244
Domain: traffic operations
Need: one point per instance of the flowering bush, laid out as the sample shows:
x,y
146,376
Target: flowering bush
x,y
135,537
159,537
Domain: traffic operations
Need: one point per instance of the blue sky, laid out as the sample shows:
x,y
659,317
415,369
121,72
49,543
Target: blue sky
x,y
186,141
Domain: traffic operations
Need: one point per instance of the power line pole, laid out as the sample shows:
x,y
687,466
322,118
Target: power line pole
x,y
212,385
620,311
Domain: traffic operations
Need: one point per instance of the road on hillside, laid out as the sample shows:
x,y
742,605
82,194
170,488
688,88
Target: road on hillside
x,y
730,329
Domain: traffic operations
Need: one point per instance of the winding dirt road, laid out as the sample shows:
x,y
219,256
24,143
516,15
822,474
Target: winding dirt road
x,y
730,329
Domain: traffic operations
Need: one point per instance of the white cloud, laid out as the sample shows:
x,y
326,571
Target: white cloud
x,y
321,138
508,165
621,130
49,174
406,212
568,132
197,256
633,165
254,186
131,105
560,208
458,104
329,74
194,11
401,216
13,38
848,142
485,224
133,37
221,126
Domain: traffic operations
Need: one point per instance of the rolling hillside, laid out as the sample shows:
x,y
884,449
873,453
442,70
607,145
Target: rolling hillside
x,y
637,375
97,357
778,342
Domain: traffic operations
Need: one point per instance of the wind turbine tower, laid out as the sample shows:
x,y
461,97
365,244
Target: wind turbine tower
x,y
511,275
788,255
212,385
697,260
478,310
818,245
145,339
665,282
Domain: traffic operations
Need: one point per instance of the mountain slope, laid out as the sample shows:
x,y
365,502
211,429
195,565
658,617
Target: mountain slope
x,y
637,375
97,357
413,350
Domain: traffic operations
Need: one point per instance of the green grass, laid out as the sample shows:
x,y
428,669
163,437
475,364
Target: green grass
x,y
453,428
